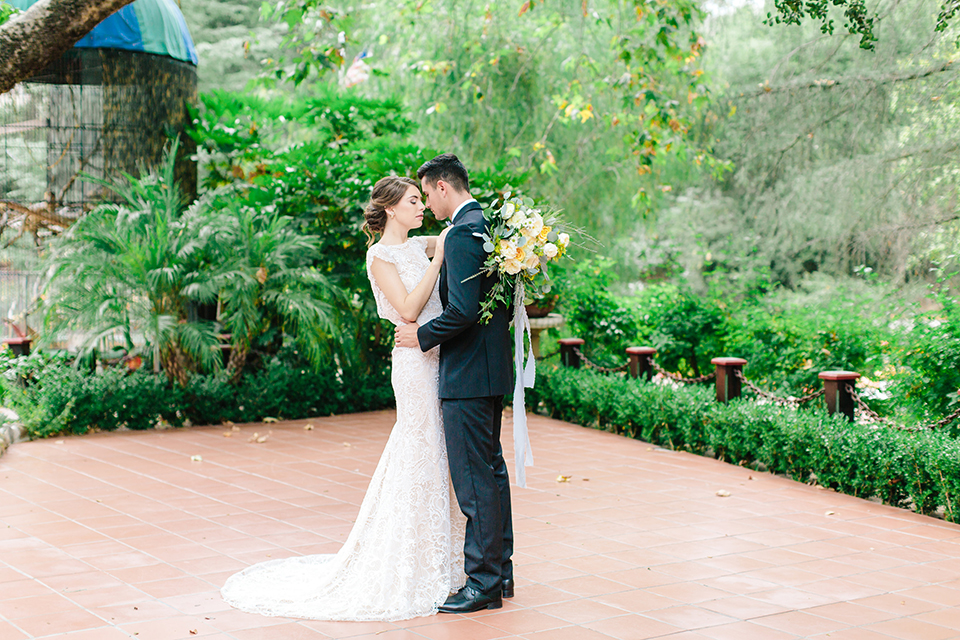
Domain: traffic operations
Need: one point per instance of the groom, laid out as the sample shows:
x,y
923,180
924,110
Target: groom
x,y
475,373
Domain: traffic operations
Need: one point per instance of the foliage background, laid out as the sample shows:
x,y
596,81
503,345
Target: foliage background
x,y
776,193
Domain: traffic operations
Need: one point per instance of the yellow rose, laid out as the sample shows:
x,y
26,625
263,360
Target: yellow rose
x,y
544,232
520,254
512,266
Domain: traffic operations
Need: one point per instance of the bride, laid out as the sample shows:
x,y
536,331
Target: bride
x,y
404,555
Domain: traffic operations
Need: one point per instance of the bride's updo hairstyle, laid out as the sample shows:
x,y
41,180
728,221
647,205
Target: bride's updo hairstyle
x,y
386,193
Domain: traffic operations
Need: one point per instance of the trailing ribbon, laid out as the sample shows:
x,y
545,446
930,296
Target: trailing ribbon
x,y
526,376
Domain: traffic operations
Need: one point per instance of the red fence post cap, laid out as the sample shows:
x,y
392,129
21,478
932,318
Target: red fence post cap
x,y
838,375
641,351
725,362
571,342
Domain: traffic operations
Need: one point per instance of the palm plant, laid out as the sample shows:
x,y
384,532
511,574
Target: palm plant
x,y
133,267
267,279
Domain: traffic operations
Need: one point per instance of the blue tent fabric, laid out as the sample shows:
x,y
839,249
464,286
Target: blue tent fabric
x,y
149,26
119,31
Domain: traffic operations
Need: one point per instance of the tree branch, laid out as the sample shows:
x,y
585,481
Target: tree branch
x,y
828,83
32,40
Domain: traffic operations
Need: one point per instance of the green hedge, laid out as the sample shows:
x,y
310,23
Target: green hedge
x,y
903,469
55,397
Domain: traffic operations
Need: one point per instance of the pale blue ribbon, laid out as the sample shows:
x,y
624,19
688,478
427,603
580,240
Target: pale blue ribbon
x,y
526,376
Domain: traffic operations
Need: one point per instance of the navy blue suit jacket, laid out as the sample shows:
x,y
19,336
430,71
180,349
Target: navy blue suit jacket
x,y
476,360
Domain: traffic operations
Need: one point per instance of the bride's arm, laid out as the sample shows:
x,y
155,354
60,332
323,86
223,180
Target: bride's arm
x,y
431,245
408,305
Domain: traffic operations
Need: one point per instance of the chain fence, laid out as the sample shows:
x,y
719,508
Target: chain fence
x,y
775,398
600,368
865,412
676,377
872,416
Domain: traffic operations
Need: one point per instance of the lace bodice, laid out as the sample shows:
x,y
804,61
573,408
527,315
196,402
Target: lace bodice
x,y
412,263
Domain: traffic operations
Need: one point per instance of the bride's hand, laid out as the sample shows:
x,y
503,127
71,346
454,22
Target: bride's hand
x,y
438,252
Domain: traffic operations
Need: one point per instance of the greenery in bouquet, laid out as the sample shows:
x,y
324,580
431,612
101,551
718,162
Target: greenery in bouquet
x,y
523,239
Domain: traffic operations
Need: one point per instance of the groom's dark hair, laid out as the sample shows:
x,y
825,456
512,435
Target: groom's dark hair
x,y
446,167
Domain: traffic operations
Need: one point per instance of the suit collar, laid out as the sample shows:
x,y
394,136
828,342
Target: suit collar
x,y
464,207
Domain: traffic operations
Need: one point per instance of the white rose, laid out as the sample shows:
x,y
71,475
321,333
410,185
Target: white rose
x,y
550,250
563,239
517,219
508,249
512,266
507,211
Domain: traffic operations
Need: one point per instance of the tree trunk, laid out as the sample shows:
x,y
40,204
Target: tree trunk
x,y
693,362
30,41
238,358
175,365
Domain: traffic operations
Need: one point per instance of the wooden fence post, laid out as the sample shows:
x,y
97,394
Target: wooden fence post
x,y
568,354
640,362
728,383
835,391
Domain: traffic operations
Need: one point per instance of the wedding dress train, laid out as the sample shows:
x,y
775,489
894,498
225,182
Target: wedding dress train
x,y
404,555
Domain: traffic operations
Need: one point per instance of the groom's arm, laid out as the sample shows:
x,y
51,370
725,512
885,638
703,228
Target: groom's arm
x,y
463,257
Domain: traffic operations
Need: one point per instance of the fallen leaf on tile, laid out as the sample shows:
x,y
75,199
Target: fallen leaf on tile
x,y
586,479
269,419
227,423
830,513
347,444
749,477
196,458
99,500
193,632
59,442
235,428
228,434
723,493
308,427
563,478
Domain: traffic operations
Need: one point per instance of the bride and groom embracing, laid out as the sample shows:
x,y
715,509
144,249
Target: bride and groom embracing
x,y
421,543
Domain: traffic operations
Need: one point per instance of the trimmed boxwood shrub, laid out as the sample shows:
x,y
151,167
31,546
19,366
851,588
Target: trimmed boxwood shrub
x,y
54,396
900,468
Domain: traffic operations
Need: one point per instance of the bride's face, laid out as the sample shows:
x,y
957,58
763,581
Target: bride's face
x,y
408,213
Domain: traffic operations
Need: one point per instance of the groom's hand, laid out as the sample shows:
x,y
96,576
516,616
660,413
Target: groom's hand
x,y
406,335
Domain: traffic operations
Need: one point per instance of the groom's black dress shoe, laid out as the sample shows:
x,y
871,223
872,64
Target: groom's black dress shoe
x,y
470,599
506,588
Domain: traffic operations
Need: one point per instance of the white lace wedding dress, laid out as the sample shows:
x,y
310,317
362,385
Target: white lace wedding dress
x,y
404,555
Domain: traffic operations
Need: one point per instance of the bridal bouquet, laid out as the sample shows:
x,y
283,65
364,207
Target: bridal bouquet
x,y
522,241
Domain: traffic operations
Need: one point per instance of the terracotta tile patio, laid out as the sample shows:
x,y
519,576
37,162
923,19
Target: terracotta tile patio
x,y
131,534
